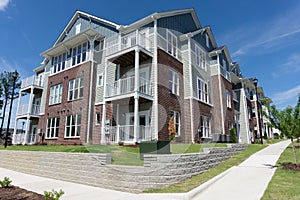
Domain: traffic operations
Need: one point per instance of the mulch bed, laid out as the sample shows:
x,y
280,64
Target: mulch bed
x,y
16,193
292,166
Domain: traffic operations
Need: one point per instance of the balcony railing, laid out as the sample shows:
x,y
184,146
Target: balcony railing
x,y
235,96
225,73
23,110
33,81
127,85
115,44
125,133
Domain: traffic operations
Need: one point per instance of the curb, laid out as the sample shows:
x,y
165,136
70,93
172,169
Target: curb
x,y
193,193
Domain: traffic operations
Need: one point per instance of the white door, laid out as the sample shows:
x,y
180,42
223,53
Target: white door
x,y
36,106
143,129
32,136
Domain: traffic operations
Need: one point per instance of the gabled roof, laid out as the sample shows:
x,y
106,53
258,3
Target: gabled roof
x,y
76,16
219,50
158,15
206,29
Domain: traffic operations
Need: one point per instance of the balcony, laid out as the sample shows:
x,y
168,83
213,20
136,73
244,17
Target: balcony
x,y
125,133
235,96
127,86
37,81
116,44
23,110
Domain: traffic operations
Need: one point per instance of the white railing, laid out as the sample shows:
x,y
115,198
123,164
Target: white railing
x,y
127,85
225,73
213,62
115,43
23,109
235,95
163,44
33,81
19,138
125,133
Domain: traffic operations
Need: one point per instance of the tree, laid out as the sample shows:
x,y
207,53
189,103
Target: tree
x,y
6,82
287,121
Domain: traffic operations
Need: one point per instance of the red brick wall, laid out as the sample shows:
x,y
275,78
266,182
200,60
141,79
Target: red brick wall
x,y
228,113
68,107
166,100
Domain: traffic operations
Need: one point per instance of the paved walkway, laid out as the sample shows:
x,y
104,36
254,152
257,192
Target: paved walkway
x,y
246,181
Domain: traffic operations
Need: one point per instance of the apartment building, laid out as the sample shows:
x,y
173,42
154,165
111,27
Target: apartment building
x,y
102,82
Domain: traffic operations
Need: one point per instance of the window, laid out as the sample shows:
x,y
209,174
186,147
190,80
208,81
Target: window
x,y
176,116
76,88
52,128
100,80
200,57
98,118
173,82
172,44
78,27
73,123
202,89
204,127
207,40
228,99
55,94
79,53
58,63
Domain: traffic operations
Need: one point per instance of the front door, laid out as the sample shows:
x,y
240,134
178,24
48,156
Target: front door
x,y
32,136
143,129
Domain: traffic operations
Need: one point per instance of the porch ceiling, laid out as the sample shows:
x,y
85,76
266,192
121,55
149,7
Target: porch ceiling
x,y
129,101
128,58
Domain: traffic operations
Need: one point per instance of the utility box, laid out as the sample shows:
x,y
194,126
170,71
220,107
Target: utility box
x,y
154,147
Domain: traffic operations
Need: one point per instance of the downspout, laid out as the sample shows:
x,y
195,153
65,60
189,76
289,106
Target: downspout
x,y
220,94
90,125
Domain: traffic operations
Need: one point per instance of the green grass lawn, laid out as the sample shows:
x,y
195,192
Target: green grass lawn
x,y
273,141
285,184
197,180
121,155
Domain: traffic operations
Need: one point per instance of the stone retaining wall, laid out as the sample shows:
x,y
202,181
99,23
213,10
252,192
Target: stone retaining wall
x,y
96,169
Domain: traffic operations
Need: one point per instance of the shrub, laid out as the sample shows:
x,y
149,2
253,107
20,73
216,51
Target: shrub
x,y
5,183
233,136
276,136
53,195
265,136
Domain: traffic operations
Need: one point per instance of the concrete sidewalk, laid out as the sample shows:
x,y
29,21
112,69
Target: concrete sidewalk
x,y
246,181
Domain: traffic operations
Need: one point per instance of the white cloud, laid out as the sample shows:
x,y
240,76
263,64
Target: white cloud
x,y
4,65
270,36
289,97
3,4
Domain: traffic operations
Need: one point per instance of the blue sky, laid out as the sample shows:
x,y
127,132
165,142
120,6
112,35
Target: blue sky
x,y
262,36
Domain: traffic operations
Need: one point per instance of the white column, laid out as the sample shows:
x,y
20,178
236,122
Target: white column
x,y
16,122
155,75
30,102
102,141
117,122
136,96
26,131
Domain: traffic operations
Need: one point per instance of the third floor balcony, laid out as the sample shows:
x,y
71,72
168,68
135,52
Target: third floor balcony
x,y
35,81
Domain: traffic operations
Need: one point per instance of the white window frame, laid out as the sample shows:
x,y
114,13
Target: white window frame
x,y
173,82
59,63
205,126
77,28
52,128
177,125
228,98
202,90
76,87
207,40
200,57
100,80
75,124
171,43
79,54
55,94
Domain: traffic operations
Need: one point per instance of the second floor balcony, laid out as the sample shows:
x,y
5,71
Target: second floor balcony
x,y
126,86
25,110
